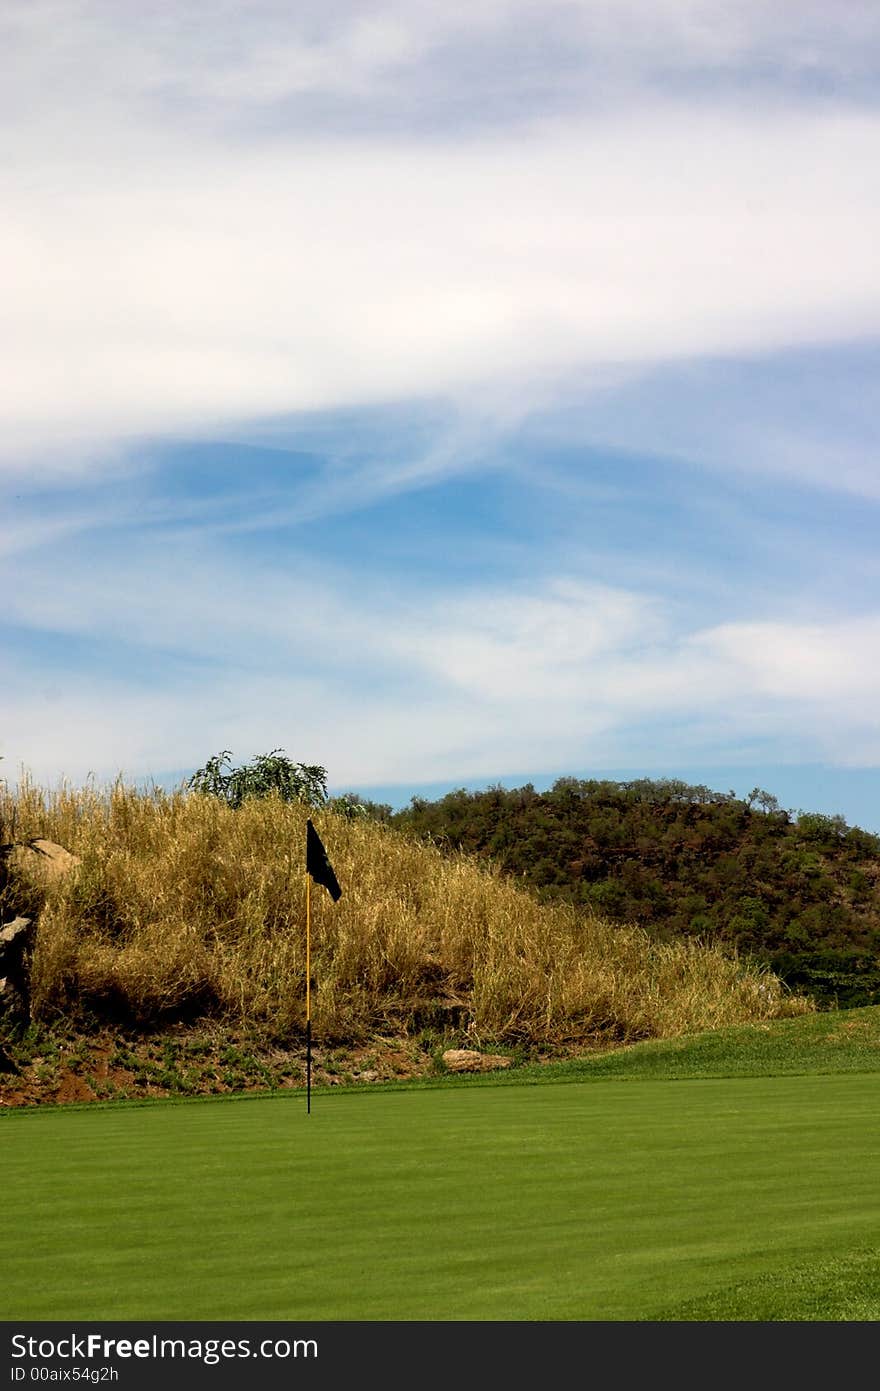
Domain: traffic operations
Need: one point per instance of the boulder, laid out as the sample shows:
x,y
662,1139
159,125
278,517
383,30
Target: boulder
x,y
468,1060
42,860
14,937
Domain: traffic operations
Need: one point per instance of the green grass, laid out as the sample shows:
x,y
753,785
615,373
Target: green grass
x,y
827,1043
643,1189
836,1289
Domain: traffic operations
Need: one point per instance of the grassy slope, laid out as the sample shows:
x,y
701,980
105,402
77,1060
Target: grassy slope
x,y
735,1176
831,1042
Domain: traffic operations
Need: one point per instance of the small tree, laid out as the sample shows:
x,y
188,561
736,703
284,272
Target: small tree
x,y
355,807
766,801
268,772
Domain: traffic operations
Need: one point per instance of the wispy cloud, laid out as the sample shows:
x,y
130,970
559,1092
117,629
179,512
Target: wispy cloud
x,y
469,679
807,415
357,276
388,62
159,276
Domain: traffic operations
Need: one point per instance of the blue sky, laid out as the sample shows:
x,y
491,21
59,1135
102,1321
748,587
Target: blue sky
x,y
443,394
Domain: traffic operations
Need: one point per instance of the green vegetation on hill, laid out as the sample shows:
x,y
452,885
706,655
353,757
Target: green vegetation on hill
x,y
800,893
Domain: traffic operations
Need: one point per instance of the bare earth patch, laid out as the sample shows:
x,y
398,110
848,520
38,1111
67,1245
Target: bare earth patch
x,y
55,1067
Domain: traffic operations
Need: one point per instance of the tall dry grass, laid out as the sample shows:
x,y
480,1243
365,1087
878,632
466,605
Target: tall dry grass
x,y
182,905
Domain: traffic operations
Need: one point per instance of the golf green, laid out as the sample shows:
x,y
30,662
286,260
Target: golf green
x,y
601,1200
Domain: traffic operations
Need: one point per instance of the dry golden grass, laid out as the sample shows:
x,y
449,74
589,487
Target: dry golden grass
x,y
181,905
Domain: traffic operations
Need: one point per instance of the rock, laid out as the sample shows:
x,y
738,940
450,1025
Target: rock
x,y
468,1060
14,937
368,1076
42,860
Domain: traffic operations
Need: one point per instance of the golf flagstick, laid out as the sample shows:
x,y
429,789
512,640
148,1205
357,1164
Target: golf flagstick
x,y
308,993
319,868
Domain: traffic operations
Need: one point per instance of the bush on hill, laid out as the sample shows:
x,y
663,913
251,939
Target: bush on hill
x,y
801,893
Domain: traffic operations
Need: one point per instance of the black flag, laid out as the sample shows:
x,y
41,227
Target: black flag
x,y
317,864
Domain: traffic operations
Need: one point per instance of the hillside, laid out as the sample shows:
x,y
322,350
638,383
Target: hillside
x,y
800,893
183,913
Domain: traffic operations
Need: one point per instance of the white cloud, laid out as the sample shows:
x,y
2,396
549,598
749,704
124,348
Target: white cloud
x,y
173,62
821,664
193,288
514,648
170,264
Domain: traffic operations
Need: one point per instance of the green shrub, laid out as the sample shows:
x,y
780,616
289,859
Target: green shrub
x,y
267,773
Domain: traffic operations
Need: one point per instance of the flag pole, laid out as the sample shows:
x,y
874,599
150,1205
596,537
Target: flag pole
x,y
319,868
308,994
